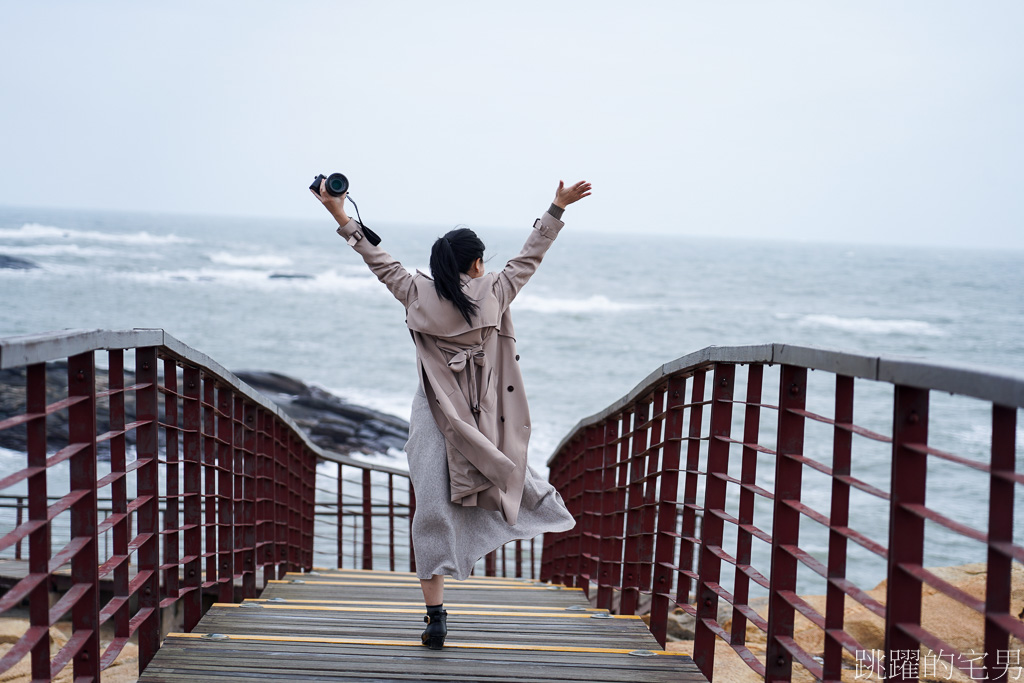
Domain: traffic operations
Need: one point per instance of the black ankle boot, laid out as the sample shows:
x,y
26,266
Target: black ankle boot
x,y
437,627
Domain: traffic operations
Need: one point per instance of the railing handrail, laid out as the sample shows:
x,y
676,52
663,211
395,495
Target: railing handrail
x,y
19,351
976,381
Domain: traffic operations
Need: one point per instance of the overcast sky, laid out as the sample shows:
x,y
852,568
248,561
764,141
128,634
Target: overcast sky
x,y
890,122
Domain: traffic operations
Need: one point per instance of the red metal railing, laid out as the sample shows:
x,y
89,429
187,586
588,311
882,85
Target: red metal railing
x,y
218,496
235,478
698,438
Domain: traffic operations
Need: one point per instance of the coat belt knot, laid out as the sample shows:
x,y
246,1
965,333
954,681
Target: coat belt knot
x,y
471,357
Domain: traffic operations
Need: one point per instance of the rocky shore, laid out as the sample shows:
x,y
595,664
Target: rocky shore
x,y
331,422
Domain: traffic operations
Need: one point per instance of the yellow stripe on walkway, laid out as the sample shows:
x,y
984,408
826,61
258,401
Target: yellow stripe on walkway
x,y
419,603
409,575
412,580
413,643
389,584
476,613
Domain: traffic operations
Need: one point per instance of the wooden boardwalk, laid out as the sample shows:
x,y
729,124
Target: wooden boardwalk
x,y
351,625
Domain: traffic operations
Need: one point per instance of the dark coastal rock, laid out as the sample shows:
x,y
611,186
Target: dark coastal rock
x,y
15,263
331,422
289,276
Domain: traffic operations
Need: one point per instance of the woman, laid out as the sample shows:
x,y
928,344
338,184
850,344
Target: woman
x,y
470,422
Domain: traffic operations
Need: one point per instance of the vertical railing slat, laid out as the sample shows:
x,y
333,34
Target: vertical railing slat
x,y
906,530
84,562
688,532
39,540
367,520
192,422
148,483
842,450
1000,530
714,500
666,523
785,521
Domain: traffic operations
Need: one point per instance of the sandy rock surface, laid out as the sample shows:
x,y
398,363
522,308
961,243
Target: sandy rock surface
x,y
125,668
957,625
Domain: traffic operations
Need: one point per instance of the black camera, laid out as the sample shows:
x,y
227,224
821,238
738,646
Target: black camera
x,y
336,185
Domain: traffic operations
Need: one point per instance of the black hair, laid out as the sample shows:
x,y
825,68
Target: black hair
x,y
451,256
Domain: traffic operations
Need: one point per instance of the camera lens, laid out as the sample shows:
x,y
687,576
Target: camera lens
x,y
337,184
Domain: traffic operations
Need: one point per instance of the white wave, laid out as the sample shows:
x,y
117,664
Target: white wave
x,y
251,260
248,278
872,325
594,304
57,250
6,454
34,231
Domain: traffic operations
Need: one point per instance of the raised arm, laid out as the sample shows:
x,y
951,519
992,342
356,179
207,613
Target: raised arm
x,y
521,268
387,269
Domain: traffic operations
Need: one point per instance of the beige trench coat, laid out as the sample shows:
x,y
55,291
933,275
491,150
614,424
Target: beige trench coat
x,y
470,372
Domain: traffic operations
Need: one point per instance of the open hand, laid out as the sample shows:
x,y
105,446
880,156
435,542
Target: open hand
x,y
566,196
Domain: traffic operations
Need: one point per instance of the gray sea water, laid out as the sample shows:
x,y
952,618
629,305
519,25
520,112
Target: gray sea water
x,y
603,311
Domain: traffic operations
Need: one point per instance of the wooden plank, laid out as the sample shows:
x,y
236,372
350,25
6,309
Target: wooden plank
x,y
204,660
356,625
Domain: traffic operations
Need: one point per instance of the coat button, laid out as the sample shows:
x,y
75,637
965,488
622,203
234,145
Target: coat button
x,y
502,418
511,388
517,356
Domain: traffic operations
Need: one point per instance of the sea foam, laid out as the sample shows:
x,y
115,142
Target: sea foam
x,y
594,304
250,260
34,231
872,325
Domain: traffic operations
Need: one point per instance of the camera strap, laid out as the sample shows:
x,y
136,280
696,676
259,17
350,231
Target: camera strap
x,y
370,234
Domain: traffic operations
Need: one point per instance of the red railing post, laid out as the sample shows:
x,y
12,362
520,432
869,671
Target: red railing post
x,y
85,558
653,449
785,523
265,496
295,465
688,539
309,506
147,580
248,516
842,446
225,496
39,539
669,491
341,517
210,479
367,521
590,518
634,522
906,529
1000,536
391,521
610,551
714,502
193,482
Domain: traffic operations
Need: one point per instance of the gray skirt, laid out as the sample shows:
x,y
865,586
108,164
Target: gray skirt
x,y
449,539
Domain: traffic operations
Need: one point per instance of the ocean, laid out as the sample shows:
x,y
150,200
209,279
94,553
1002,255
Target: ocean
x,y
603,311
